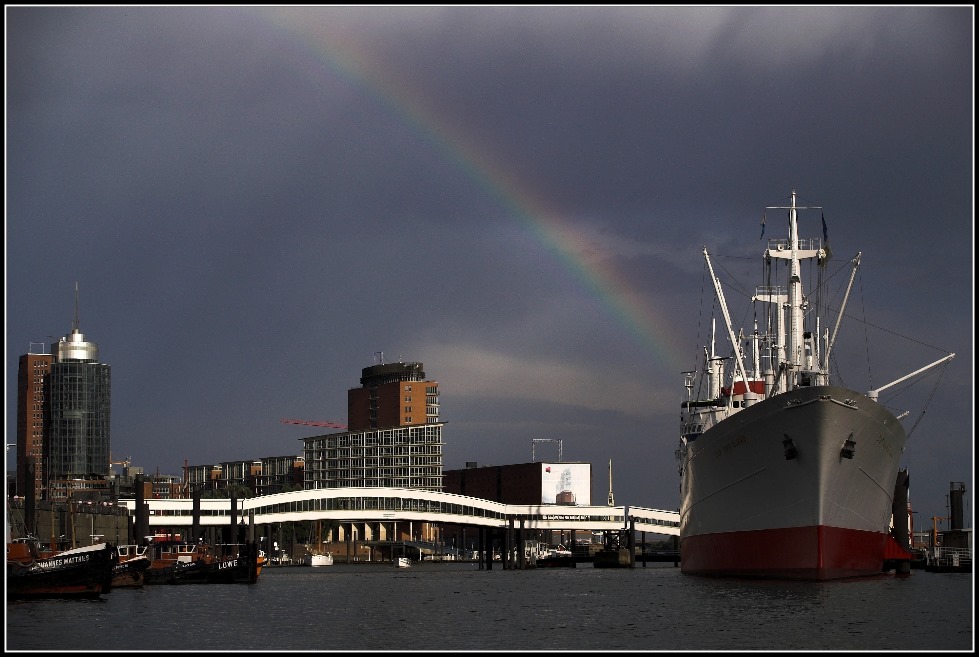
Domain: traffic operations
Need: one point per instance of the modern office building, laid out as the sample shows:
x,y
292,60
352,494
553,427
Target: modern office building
x,y
393,436
76,424
278,474
265,476
32,372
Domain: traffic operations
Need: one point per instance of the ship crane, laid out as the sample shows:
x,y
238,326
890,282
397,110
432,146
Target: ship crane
x,y
333,424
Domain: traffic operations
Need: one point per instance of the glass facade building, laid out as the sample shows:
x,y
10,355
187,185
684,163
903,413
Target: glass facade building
x,y
402,457
76,441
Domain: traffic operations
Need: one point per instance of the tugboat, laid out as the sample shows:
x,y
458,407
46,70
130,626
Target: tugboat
x,y
84,572
131,568
183,563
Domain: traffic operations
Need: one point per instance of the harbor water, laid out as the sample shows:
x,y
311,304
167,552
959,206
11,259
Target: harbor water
x,y
457,607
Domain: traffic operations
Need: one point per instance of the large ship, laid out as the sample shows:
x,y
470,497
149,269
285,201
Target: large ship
x,y
782,473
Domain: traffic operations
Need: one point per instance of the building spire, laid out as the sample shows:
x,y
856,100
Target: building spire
x,y
74,325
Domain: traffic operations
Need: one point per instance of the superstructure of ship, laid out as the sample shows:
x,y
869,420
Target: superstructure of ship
x,y
782,473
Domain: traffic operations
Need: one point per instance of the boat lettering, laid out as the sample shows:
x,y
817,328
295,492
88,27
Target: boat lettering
x,y
727,447
228,564
63,561
886,445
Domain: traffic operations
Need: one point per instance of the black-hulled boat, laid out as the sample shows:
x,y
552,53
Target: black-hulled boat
x,y
132,566
202,564
79,573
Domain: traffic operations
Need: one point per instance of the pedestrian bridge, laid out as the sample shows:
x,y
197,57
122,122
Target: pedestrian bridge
x,y
404,504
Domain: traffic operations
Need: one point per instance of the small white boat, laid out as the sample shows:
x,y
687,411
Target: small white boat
x,y
402,562
318,559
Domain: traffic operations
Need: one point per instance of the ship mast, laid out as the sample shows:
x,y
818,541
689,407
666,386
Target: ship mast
x,y
794,356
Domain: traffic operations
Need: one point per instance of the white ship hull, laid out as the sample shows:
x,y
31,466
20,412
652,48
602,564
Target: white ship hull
x,y
749,510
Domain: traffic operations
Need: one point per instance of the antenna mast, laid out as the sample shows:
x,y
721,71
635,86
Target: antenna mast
x,y
74,326
611,499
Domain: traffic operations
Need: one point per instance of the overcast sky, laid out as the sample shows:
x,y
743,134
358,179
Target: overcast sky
x,y
258,202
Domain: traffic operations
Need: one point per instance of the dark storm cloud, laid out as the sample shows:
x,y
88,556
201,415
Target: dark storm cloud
x,y
256,200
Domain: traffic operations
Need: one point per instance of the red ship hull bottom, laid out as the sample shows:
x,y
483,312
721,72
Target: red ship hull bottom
x,y
809,553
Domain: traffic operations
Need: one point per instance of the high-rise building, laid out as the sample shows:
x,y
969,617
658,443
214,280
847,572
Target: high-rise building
x,y
393,437
76,425
392,395
32,374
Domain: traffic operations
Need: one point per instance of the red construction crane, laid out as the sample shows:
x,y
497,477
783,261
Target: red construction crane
x,y
316,423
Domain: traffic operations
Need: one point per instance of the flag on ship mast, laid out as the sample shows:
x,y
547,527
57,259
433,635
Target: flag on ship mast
x,y
829,252
762,225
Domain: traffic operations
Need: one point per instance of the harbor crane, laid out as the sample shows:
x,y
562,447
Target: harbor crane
x,y
333,424
560,448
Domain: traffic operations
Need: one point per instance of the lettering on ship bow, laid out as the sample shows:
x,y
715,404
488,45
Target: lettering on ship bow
x,y
730,446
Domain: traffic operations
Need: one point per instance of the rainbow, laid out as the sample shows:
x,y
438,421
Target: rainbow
x,y
346,58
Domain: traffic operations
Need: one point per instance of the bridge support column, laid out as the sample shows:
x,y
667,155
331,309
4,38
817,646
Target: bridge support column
x,y
631,542
231,530
521,557
195,526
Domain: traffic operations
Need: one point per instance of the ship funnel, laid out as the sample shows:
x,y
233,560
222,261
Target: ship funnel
x,y
956,492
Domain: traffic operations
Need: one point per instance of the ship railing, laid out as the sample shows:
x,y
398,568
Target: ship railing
x,y
769,291
804,244
951,556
